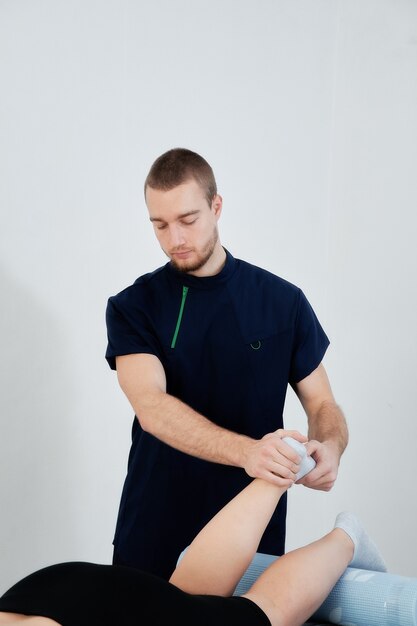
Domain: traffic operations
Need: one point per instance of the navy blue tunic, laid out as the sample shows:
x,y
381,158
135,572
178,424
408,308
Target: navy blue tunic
x,y
229,345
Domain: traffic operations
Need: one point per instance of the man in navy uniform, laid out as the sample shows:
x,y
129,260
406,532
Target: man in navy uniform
x,y
205,348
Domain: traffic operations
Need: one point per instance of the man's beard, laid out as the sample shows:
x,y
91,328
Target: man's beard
x,y
202,258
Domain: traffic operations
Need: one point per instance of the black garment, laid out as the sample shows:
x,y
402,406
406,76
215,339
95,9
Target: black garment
x,y
85,594
229,345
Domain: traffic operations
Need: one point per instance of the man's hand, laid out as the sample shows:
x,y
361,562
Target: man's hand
x,y
327,457
274,460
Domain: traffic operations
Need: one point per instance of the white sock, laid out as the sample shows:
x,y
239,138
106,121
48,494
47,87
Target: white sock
x,y
307,463
366,555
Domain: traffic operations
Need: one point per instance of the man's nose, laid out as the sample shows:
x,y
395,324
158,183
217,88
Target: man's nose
x,y
176,234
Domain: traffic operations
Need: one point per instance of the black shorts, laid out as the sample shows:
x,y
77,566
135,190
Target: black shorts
x,y
85,594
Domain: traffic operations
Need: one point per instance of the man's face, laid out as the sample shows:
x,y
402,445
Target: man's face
x,y
185,225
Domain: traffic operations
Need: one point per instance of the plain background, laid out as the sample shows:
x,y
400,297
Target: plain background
x,y
306,110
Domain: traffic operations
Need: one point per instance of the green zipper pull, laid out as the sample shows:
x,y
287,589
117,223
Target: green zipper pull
x,y
177,328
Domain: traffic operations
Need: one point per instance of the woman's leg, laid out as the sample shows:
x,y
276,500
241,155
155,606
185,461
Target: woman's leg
x,y
293,587
220,554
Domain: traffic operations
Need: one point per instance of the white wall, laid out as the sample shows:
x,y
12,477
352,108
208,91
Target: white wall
x,y
306,110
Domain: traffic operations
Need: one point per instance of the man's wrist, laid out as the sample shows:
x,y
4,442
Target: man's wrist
x,y
242,450
335,444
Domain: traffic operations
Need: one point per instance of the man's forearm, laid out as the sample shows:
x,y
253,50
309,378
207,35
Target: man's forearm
x,y
178,425
328,425
142,379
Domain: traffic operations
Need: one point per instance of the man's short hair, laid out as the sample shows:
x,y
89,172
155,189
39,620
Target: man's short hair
x,y
178,166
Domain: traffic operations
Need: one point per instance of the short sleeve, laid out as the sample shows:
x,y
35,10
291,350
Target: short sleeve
x,y
310,342
128,332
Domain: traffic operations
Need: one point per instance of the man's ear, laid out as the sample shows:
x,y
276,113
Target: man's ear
x,y
217,205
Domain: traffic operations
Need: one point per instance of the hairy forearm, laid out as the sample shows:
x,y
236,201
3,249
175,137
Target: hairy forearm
x,y
328,424
179,426
142,379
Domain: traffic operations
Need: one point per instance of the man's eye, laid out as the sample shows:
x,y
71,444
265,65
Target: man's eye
x,y
189,222
161,227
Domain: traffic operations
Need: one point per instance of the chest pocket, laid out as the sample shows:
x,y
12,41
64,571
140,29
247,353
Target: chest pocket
x,y
269,357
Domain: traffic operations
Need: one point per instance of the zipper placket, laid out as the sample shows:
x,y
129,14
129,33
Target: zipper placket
x,y
181,311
